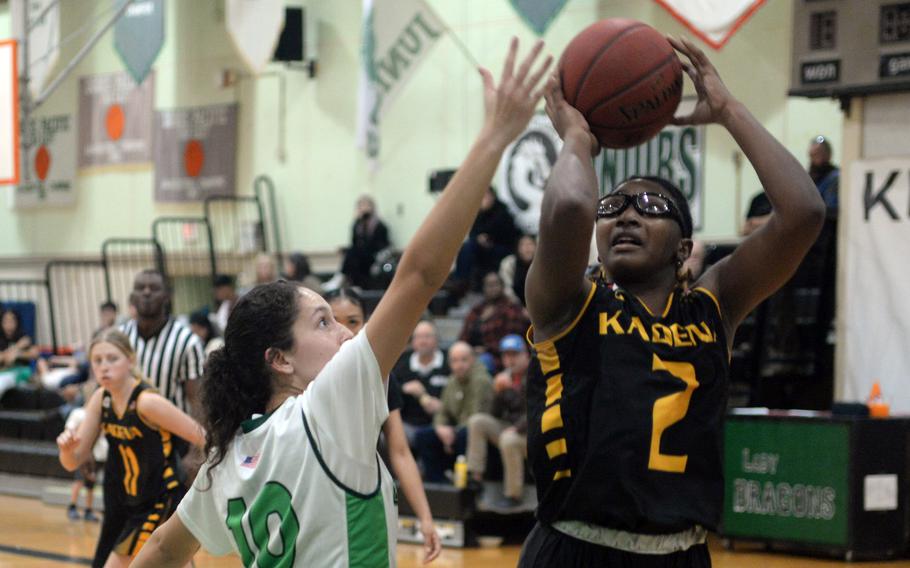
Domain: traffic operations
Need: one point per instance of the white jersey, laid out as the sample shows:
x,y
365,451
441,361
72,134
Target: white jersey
x,y
304,486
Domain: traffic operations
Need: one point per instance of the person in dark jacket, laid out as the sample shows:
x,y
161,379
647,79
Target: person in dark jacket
x,y
492,238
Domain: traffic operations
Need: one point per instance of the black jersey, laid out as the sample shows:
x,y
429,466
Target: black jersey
x,y
141,465
625,414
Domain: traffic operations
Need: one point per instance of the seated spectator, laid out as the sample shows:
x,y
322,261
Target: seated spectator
x,y
491,239
468,392
226,297
297,269
422,372
265,270
204,329
107,317
506,426
16,347
494,317
513,270
369,235
758,214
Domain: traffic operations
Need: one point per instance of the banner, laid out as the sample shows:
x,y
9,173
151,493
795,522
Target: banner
x,y
195,152
714,21
115,120
9,113
139,35
538,14
43,39
876,313
397,36
49,167
255,27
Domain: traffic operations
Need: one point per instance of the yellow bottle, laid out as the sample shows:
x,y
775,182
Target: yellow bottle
x,y
461,472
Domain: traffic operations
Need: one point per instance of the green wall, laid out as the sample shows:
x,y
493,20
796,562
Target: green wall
x,y
430,126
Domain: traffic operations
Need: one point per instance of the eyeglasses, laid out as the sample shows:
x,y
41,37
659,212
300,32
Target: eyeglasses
x,y
646,203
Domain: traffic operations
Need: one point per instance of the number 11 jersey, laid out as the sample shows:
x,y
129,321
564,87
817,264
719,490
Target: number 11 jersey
x,y
626,414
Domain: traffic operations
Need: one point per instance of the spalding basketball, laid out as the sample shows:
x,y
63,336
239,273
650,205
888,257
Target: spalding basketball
x,y
624,77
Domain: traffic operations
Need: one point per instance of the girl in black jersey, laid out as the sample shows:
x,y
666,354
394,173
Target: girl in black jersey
x,y
141,488
628,390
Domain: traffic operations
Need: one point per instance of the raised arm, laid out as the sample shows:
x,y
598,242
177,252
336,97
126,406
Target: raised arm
x,y
161,413
770,255
428,258
555,286
76,446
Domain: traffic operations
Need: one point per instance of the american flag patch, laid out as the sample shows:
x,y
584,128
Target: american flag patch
x,y
250,461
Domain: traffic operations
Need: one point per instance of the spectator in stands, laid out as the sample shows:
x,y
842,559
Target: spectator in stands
x,y
297,269
513,270
204,329
168,353
369,235
265,270
226,296
825,174
422,373
347,309
468,392
506,425
758,214
494,317
16,347
107,317
492,238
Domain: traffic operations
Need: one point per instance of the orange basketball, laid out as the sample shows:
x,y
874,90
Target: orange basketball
x,y
624,77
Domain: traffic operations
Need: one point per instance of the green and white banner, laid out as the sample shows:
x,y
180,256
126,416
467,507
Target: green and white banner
x,y
255,27
538,14
139,35
397,36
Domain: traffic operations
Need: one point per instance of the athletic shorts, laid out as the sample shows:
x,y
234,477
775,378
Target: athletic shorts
x,y
546,547
125,529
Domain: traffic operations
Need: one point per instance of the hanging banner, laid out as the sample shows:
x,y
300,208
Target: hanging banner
x,y
9,113
538,14
254,27
195,152
397,36
713,21
876,317
139,35
115,120
49,166
43,39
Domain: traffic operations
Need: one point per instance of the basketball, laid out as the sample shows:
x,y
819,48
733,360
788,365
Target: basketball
x,y
624,77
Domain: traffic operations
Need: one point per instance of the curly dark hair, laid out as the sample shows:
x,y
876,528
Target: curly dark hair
x,y
238,380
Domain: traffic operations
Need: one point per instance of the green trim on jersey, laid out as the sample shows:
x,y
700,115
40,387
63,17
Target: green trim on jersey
x,y
328,472
252,423
368,541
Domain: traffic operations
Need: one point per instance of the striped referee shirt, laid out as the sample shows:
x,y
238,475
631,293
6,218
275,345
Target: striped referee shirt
x,y
169,358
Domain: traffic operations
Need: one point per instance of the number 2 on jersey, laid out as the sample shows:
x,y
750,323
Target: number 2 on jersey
x,y
668,410
274,499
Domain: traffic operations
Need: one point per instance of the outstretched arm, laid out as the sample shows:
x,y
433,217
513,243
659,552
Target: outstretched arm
x,y
76,446
162,414
556,286
771,254
427,259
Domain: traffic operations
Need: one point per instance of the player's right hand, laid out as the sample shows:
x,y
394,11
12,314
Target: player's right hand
x,y
68,440
566,119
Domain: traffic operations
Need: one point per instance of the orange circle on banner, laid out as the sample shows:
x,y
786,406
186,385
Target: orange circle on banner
x,y
114,121
42,162
193,158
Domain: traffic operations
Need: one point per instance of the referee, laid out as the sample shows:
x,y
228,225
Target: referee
x,y
167,352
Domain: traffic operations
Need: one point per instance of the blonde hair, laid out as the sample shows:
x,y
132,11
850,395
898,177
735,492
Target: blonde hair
x,y
119,340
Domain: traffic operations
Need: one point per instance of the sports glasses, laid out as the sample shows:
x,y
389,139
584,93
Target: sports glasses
x,y
647,203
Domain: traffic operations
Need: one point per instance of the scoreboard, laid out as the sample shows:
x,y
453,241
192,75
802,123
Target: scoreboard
x,y
850,47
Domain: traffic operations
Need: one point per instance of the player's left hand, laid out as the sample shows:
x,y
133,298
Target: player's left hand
x,y
714,99
432,544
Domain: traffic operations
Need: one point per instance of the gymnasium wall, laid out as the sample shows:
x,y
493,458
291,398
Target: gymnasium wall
x,y
430,126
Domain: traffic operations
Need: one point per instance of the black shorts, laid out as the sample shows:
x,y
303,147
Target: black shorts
x,y
546,547
125,529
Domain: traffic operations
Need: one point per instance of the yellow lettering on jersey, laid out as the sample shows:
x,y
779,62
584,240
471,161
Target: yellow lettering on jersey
x,y
703,333
121,432
661,334
611,323
639,327
669,410
681,337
